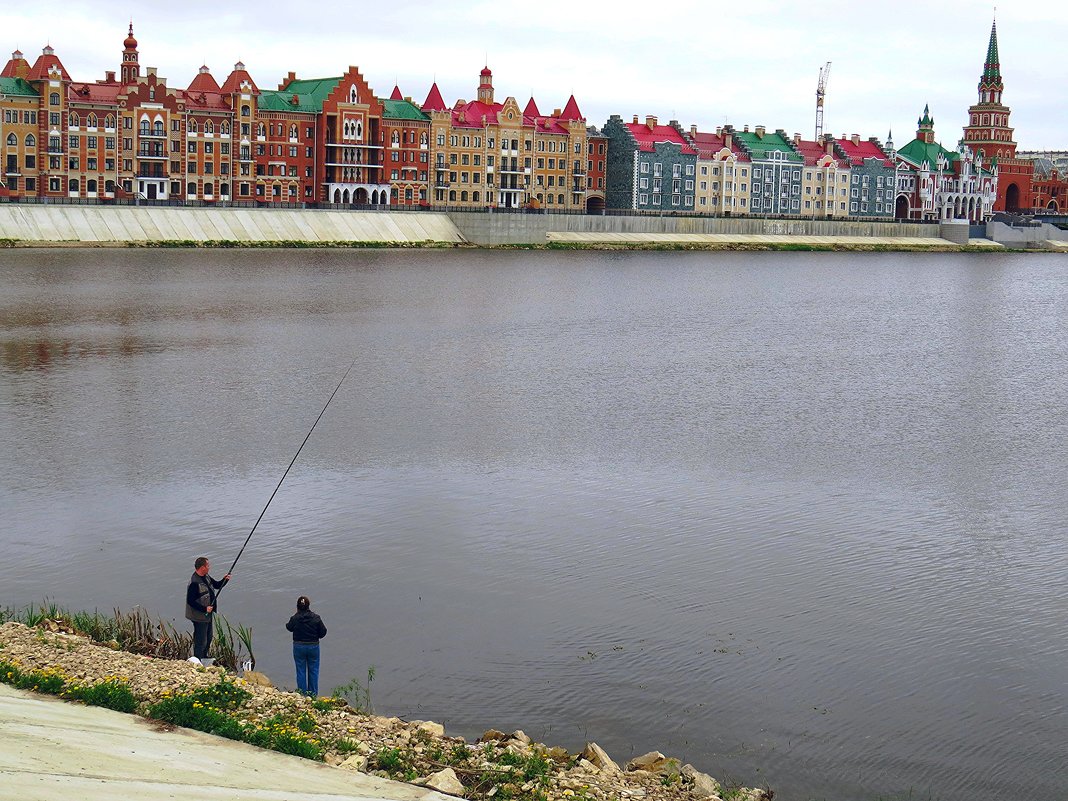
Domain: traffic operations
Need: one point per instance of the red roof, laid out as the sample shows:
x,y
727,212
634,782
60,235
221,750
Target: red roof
x,y
232,86
44,64
12,67
571,110
434,101
648,138
106,93
863,150
531,110
709,144
471,115
205,100
396,95
813,151
204,82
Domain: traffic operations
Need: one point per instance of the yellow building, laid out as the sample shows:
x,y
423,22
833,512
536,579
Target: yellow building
x,y
723,174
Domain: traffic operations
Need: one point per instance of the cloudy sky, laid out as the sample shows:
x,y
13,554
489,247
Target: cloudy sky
x,y
702,62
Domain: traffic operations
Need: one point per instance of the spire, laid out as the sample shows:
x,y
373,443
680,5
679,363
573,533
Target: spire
x,y
532,109
571,110
434,101
925,120
992,69
396,95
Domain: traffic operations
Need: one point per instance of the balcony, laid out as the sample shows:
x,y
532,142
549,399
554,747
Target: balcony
x,y
146,133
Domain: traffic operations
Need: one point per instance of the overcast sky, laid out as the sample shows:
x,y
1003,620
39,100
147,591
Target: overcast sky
x,y
702,62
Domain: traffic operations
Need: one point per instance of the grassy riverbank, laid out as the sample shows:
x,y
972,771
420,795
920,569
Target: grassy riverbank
x,y
56,656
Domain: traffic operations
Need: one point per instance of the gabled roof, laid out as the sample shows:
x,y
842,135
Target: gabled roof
x,y
648,138
709,144
571,110
16,86
238,76
862,151
44,64
471,115
402,110
434,101
204,82
812,151
105,93
760,147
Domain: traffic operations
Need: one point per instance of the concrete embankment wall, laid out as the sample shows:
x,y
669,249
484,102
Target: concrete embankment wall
x,y
1039,236
515,229
49,224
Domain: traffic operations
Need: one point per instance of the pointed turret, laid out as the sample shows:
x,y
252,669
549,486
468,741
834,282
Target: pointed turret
x,y
571,110
396,95
17,67
131,68
485,86
992,69
532,109
925,126
204,82
434,101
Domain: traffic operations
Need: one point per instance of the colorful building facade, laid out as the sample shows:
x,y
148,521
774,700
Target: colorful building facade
x,y
650,167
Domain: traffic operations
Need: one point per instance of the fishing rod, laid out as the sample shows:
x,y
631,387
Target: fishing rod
x,y
286,473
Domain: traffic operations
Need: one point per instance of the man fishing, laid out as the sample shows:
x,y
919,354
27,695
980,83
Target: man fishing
x,y
201,603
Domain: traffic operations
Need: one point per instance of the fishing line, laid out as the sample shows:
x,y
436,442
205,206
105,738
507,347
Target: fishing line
x,y
286,473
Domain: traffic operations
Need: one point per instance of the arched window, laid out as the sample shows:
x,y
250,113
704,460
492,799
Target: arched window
x,y
109,186
261,131
209,128
109,122
90,121
224,189
73,186
90,185
191,189
192,126
293,131
53,99
74,121
353,96
463,196
12,140
359,129
395,139
31,141
224,129
452,194
143,128
474,196
245,111
157,128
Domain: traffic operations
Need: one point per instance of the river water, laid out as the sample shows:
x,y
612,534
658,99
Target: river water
x,y
798,519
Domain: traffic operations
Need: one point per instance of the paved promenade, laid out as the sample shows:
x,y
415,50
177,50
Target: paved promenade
x,y
727,240
51,750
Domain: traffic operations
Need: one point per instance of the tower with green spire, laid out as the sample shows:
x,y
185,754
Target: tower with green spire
x,y
989,135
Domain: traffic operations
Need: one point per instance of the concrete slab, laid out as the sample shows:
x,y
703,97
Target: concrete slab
x,y
609,238
55,751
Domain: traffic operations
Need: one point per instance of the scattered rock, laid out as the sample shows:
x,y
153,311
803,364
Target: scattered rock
x,y
444,781
356,762
521,736
431,728
703,784
558,754
654,762
257,678
597,756
491,735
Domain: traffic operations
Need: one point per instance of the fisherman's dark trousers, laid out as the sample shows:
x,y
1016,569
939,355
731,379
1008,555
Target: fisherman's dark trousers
x,y
201,639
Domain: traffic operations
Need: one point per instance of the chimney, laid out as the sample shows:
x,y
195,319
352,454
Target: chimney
x,y
745,129
855,139
650,120
151,71
719,130
109,76
693,130
556,112
635,119
797,139
760,130
828,142
728,139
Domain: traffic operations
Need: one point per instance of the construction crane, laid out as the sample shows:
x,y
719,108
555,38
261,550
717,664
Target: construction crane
x,y
821,93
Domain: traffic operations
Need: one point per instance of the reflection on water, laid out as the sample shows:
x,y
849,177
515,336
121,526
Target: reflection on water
x,y
795,518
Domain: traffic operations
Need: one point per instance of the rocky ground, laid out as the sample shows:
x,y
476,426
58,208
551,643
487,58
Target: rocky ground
x,y
498,765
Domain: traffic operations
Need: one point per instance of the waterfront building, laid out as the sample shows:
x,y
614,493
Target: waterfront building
x,y
650,167
872,179
720,165
939,184
406,142
825,179
597,149
19,110
989,135
1050,187
487,154
775,185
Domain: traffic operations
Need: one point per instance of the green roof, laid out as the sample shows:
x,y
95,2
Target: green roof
x,y
761,147
310,95
992,68
16,86
402,110
918,152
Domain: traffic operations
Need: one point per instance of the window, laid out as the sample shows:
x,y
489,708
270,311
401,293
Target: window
x,y
53,99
